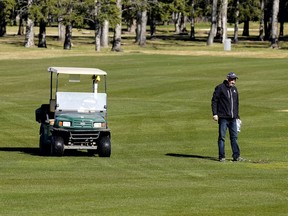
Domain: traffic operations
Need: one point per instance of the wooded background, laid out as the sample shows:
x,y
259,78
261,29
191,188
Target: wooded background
x,y
103,16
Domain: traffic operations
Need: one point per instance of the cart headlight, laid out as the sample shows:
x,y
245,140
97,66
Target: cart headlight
x,y
98,125
64,124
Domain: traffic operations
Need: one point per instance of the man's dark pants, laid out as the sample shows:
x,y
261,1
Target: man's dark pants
x,y
232,127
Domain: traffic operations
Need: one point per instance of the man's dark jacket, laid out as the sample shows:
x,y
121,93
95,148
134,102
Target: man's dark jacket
x,y
225,101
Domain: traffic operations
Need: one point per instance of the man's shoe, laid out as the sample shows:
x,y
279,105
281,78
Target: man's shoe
x,y
222,160
239,159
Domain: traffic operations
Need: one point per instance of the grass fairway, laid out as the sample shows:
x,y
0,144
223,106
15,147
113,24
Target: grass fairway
x,y
164,147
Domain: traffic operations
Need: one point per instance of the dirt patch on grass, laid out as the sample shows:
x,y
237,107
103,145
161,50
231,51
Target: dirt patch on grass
x,y
40,53
249,54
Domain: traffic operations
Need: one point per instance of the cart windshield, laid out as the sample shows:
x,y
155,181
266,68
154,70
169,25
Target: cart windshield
x,y
80,102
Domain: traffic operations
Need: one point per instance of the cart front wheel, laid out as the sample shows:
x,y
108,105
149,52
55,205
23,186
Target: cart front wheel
x,y
104,147
57,146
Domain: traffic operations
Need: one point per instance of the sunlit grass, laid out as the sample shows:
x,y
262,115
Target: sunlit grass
x,y
164,148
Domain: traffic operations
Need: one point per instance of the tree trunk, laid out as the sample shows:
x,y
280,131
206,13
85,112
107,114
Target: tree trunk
x,y
192,13
213,24
2,29
261,26
105,34
177,22
97,37
21,26
236,25
224,19
97,27
132,26
42,35
29,37
282,16
183,23
142,41
219,30
246,28
61,29
117,31
138,27
267,24
274,30
2,20
281,31
68,37
152,24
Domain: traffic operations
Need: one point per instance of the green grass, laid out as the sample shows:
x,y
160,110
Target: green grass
x,y
164,147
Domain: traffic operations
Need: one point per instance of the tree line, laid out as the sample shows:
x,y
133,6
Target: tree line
x,y
102,15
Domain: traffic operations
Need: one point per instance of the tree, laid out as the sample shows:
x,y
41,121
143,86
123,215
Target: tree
x,y
236,23
97,26
178,9
249,10
274,30
282,15
261,26
69,15
3,22
6,13
141,21
40,11
29,37
153,12
68,21
98,12
213,23
224,19
192,17
143,24
116,46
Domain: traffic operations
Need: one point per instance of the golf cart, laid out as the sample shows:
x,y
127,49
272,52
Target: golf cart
x,y
75,120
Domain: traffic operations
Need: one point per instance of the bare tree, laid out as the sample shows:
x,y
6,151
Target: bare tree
x,y
105,34
192,24
42,35
29,37
68,37
274,30
177,21
261,27
138,27
61,29
236,25
97,27
213,24
224,19
142,41
117,31
68,28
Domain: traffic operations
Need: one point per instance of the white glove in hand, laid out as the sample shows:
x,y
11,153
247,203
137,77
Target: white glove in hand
x,y
215,117
239,123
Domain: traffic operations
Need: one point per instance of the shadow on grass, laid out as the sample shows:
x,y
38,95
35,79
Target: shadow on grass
x,y
35,151
26,150
192,156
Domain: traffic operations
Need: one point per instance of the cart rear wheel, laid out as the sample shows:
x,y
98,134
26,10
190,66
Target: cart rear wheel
x,y
44,143
44,146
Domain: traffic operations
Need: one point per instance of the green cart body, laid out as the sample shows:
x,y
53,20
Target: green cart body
x,y
75,120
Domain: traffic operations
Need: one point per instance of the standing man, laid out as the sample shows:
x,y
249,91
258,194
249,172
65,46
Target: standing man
x,y
225,109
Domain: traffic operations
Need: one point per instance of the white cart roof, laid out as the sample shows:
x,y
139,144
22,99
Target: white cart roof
x,y
76,70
